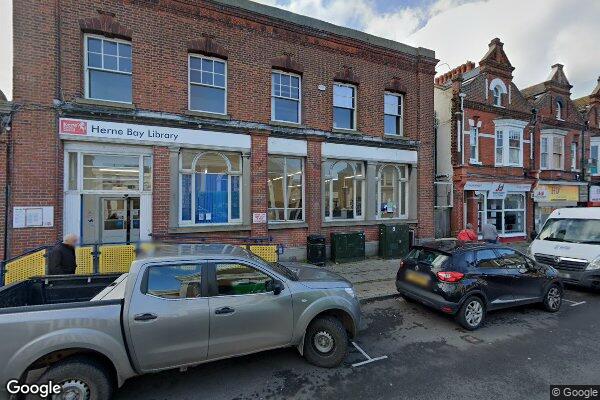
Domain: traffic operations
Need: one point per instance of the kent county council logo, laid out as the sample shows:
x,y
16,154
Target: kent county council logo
x,y
73,127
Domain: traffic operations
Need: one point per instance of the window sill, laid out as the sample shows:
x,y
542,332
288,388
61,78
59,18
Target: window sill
x,y
285,124
202,114
208,228
104,103
393,136
346,131
473,162
287,225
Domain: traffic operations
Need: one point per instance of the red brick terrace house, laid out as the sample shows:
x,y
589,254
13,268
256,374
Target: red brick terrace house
x,y
483,145
558,146
213,120
5,114
589,106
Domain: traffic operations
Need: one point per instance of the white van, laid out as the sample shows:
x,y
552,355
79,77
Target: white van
x,y
570,242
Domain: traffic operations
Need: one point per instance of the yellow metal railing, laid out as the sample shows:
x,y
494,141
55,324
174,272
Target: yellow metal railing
x,y
111,259
25,267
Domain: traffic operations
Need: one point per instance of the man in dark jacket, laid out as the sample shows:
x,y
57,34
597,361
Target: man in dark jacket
x,y
61,258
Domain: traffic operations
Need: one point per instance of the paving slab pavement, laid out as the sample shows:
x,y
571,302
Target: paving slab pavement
x,y
372,278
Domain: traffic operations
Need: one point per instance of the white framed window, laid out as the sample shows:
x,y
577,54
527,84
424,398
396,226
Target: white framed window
x,y
545,153
552,152
393,114
559,110
107,74
207,77
507,215
474,145
344,106
210,188
392,193
574,166
509,142
344,190
285,97
286,189
594,163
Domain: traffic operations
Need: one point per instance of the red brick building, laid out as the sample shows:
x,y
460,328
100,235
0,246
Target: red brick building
x,y
559,149
484,145
5,115
213,120
589,106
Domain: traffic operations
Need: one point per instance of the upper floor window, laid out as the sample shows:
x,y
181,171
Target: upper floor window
x,y
392,192
344,106
509,142
474,142
285,188
393,115
285,97
574,156
107,69
208,84
559,110
497,96
594,162
210,188
344,189
552,152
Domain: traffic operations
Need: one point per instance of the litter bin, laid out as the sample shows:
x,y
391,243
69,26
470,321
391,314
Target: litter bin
x,y
315,250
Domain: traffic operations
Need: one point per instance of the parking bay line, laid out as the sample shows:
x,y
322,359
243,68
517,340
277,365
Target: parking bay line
x,y
368,360
575,303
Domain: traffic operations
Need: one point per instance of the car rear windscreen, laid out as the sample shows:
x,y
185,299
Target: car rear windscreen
x,y
428,256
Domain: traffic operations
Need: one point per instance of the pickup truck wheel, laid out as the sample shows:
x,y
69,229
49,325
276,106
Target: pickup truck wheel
x,y
80,379
325,342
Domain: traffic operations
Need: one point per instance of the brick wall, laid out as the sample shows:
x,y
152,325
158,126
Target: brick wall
x,y
160,35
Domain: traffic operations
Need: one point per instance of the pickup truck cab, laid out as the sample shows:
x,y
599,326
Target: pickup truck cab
x,y
185,305
570,242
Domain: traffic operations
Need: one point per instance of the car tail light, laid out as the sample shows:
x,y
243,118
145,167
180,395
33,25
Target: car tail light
x,y
450,276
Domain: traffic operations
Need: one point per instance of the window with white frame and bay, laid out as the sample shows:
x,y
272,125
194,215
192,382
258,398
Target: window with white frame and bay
x,y
393,114
108,66
574,163
594,163
285,97
207,84
392,191
552,152
344,190
509,143
210,187
286,189
344,106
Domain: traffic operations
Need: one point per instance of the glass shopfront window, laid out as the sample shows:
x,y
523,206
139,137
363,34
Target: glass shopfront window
x,y
109,172
285,189
210,188
392,182
344,190
507,215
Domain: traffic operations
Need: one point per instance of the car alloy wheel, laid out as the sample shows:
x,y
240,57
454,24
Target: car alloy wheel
x,y
553,298
474,313
74,389
323,342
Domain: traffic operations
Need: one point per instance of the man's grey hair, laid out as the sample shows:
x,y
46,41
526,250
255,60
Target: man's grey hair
x,y
70,238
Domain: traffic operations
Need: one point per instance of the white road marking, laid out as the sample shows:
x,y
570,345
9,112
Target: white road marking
x,y
368,360
575,303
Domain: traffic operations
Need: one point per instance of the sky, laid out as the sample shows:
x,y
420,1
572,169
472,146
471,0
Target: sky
x,y
536,33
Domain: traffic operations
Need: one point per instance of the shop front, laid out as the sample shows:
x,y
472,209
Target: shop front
x,y
501,204
549,196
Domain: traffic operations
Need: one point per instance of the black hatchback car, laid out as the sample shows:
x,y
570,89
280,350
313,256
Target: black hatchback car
x,y
467,279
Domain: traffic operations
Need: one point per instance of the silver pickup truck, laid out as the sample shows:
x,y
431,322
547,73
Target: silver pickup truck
x,y
184,305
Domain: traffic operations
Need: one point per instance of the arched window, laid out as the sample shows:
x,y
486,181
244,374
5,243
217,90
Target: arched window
x,y
497,96
559,110
210,188
391,191
344,190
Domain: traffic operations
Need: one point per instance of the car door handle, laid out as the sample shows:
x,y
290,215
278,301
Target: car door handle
x,y
145,317
224,310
